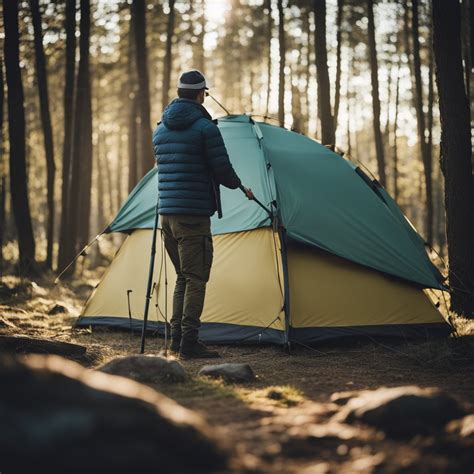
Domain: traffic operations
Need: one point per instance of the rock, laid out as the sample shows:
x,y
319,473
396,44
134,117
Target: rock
x,y
463,427
147,369
59,417
341,398
229,372
29,345
57,309
403,411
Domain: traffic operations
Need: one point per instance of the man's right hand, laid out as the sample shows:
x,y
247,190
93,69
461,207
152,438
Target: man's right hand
x,y
248,192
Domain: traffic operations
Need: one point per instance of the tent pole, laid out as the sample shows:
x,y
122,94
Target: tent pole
x,y
286,286
150,278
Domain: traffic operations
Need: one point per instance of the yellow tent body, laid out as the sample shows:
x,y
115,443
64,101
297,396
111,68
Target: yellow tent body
x,y
245,299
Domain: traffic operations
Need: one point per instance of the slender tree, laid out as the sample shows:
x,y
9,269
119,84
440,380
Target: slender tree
x,y
395,141
168,62
455,154
145,160
322,74
42,82
420,119
16,134
340,9
201,59
2,171
82,141
379,148
132,112
269,32
65,238
281,76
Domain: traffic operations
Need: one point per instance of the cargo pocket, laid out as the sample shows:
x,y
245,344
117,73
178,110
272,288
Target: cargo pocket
x,y
208,253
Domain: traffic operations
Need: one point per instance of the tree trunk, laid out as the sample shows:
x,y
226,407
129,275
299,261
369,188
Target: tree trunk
x,y
375,93
145,159
281,80
42,80
268,7
132,112
466,28
296,111
168,57
82,142
16,134
420,116
322,75
2,171
395,142
65,237
201,60
455,154
340,8
118,173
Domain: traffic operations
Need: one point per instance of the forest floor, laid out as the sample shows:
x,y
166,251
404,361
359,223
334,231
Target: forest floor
x,y
285,422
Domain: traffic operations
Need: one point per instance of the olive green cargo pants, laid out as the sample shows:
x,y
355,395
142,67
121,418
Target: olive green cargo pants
x,y
188,242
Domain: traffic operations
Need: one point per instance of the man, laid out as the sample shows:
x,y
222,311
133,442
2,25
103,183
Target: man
x,y
192,163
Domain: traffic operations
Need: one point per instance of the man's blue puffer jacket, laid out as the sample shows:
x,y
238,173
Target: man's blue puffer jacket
x,y
192,160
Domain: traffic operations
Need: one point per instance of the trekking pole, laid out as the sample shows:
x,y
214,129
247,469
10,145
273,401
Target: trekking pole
x,y
150,279
244,190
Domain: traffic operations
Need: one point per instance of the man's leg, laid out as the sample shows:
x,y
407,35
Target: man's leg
x,y
195,253
171,245
196,259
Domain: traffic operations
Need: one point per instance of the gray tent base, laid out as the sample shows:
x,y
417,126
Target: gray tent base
x,y
221,333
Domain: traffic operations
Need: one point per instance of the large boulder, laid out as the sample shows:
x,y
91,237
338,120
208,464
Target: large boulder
x,y
56,416
229,372
147,369
403,411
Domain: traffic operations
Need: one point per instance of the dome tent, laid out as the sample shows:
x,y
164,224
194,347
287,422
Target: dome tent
x,y
338,259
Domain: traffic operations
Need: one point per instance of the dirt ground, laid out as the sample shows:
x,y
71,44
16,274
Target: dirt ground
x,y
285,422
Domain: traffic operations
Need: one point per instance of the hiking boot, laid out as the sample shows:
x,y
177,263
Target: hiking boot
x,y
196,350
175,345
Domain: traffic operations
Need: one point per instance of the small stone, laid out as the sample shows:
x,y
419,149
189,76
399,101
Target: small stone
x,y
341,398
463,427
403,411
229,372
275,395
147,369
57,309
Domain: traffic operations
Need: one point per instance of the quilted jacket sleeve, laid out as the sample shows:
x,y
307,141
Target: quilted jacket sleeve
x,y
218,159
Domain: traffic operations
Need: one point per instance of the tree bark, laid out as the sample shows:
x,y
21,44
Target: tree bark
x,y
420,119
379,149
16,134
69,81
2,173
455,154
168,62
145,158
132,111
281,80
337,97
82,141
322,75
42,81
395,141
268,7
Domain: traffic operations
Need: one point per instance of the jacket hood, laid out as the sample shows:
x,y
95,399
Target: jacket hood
x,y
182,113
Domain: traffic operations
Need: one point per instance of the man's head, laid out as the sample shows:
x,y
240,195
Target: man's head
x,y
192,85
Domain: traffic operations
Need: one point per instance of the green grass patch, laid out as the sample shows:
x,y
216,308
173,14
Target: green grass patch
x,y
277,395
